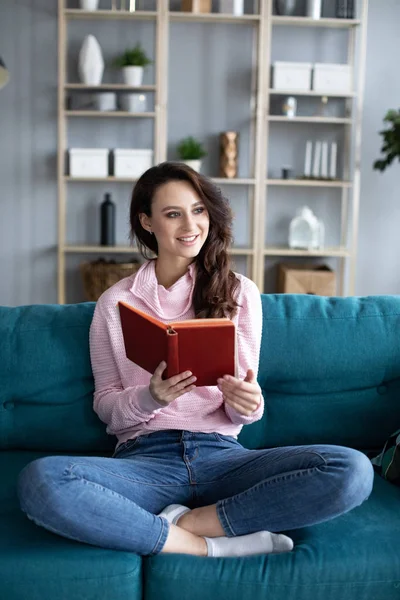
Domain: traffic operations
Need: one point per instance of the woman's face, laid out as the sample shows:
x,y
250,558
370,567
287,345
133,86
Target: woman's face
x,y
179,220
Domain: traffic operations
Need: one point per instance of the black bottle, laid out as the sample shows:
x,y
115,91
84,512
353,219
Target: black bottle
x,y
107,221
341,9
350,9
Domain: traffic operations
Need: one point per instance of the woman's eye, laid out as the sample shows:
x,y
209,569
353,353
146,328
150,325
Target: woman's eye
x,y
199,210
172,215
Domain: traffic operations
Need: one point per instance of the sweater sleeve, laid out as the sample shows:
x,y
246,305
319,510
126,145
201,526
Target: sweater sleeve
x,y
249,331
120,408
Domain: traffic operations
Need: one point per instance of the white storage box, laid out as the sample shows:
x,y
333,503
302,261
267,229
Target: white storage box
x,y
88,162
132,163
291,77
333,78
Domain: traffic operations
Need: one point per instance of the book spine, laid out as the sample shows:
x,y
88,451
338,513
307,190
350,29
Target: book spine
x,y
172,353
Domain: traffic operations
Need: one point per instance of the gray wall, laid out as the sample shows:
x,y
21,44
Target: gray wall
x,y
216,92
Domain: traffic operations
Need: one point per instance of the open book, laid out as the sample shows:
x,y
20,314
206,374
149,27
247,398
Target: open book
x,y
206,347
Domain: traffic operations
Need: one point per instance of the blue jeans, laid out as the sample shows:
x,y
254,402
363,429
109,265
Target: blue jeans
x,y
113,502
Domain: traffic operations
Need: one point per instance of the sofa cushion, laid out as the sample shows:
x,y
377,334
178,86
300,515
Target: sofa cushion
x,y
36,564
46,392
354,557
329,371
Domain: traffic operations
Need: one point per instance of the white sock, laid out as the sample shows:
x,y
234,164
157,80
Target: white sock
x,y
173,512
261,542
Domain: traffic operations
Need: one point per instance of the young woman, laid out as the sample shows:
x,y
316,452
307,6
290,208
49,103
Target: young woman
x,y
179,481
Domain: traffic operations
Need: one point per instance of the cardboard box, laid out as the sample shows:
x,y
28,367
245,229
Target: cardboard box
x,y
196,6
333,78
88,162
292,76
129,163
306,279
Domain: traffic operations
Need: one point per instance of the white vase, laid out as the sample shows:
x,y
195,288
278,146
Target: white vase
x,y
314,8
231,7
134,103
133,75
194,164
106,101
89,4
91,63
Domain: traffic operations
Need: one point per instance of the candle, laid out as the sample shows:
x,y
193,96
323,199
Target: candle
x,y
333,160
307,165
324,160
317,160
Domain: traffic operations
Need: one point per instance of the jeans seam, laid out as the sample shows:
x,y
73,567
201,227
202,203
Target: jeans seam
x,y
157,548
226,524
125,478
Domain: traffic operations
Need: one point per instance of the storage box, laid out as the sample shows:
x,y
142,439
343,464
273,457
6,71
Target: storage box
x,y
306,279
332,78
292,76
132,163
88,162
196,6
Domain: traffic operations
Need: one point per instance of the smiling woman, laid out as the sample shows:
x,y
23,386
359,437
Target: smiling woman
x,y
183,218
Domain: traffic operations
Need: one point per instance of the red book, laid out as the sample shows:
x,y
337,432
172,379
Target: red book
x,y
206,347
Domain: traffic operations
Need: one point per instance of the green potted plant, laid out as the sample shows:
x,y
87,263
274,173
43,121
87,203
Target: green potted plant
x,y
190,152
132,63
391,141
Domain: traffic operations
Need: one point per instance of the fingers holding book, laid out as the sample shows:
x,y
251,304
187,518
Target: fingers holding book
x,y
165,391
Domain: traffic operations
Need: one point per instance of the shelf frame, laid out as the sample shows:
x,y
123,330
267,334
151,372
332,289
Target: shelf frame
x,y
259,185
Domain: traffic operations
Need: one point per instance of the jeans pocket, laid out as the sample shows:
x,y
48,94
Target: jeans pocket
x,y
226,438
126,447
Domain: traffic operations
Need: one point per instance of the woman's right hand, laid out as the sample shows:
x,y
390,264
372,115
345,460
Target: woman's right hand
x,y
165,391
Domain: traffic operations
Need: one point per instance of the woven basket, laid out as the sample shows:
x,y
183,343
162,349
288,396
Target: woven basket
x,y
98,276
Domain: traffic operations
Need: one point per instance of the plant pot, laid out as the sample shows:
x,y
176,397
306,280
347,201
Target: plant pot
x,y
89,4
90,62
231,7
196,6
194,164
133,103
133,75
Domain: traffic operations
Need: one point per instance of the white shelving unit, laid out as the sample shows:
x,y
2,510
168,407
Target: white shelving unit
x,y
260,120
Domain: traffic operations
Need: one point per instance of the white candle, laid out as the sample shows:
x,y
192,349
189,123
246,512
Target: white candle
x,y
324,160
333,160
307,164
317,159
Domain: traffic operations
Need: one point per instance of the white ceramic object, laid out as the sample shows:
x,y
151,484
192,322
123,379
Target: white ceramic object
x,y
231,7
334,78
133,75
134,103
89,4
106,101
314,8
88,162
131,163
285,8
194,164
306,231
91,63
292,76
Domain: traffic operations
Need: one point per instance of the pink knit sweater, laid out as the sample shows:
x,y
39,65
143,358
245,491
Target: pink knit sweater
x,y
122,398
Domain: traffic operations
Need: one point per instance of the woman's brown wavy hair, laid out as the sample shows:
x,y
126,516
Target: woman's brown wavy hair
x,y
216,284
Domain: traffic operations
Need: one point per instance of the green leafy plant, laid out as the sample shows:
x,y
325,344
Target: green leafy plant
x,y
134,57
391,140
190,149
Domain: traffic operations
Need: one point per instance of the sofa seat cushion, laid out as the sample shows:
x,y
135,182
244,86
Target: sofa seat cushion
x,y
36,564
354,557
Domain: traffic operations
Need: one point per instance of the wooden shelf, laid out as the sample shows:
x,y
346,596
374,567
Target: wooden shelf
x,y
109,114
233,181
312,93
82,249
72,13
285,251
110,179
309,22
122,87
309,183
326,120
188,17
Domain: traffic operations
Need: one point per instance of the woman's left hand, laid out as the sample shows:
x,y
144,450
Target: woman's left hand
x,y
242,395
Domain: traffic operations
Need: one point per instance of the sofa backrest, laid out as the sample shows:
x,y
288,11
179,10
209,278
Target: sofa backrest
x,y
329,371
46,382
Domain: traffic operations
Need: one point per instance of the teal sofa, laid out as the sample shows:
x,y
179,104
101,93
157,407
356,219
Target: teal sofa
x,y
330,373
